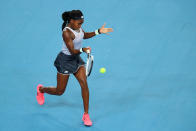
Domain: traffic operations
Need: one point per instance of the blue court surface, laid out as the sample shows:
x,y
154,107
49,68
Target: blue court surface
x,y
150,58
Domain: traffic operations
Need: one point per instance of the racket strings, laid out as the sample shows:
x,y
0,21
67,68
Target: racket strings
x,y
89,65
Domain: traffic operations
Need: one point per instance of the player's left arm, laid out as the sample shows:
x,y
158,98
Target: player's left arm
x,y
102,30
88,35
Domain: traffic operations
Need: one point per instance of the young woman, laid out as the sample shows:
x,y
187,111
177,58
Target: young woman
x,y
69,61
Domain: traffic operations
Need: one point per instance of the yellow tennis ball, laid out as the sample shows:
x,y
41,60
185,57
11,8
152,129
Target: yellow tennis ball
x,y
102,70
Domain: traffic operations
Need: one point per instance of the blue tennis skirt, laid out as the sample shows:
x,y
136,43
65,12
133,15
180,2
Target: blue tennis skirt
x,y
68,64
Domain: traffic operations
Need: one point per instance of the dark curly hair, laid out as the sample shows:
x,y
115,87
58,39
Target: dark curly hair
x,y
68,15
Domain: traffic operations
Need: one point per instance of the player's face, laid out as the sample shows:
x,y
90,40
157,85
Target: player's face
x,y
77,24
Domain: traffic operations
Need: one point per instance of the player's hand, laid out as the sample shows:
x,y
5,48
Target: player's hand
x,y
104,30
87,49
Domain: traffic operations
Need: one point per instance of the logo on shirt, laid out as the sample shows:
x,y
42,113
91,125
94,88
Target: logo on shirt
x,y
65,71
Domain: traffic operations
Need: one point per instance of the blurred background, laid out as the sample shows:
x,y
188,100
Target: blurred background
x,y
150,60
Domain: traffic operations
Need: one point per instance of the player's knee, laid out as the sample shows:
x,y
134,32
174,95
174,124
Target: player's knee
x,y
83,82
59,93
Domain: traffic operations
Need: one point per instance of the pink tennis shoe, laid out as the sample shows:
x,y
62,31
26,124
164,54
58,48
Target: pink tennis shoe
x,y
40,96
86,119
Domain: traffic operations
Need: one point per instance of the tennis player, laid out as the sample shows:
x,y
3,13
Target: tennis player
x,y
68,61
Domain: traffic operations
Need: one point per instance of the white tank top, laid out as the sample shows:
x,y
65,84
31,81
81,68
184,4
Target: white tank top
x,y
77,41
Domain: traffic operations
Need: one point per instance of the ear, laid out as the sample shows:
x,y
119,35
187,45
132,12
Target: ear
x,y
71,21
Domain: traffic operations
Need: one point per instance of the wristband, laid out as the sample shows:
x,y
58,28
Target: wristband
x,y
97,32
81,50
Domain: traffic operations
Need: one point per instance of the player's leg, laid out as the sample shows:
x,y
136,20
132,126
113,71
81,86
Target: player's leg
x,y
61,85
81,77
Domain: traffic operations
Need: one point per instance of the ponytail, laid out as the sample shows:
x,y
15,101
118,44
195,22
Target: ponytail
x,y
66,18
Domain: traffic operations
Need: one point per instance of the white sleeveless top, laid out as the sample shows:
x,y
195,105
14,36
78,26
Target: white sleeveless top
x,y
77,41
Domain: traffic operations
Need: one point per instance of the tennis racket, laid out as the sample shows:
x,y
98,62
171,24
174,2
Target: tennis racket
x,y
89,63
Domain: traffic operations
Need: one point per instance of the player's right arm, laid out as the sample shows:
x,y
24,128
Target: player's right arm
x,y
68,38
